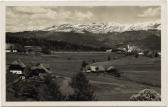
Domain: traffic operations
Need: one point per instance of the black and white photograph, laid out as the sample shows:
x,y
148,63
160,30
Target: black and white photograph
x,y
83,53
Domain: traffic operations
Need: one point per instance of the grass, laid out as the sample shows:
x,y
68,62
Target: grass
x,y
138,73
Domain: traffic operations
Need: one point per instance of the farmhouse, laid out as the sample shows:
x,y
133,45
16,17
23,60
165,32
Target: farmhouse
x,y
17,67
109,50
10,48
97,68
39,70
141,53
33,49
93,68
102,68
133,48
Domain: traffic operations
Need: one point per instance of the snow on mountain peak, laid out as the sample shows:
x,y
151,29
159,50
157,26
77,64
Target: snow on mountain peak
x,y
103,28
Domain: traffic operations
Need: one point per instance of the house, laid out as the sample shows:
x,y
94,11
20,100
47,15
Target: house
x,y
140,53
159,53
109,50
33,49
90,69
94,68
17,67
39,70
133,49
99,68
10,48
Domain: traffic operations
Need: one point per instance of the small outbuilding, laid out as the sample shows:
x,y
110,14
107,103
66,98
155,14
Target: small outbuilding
x,y
17,67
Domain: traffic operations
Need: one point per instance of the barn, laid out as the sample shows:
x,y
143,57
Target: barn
x,y
100,68
17,67
39,70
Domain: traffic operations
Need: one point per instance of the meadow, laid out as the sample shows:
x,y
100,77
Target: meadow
x,y
137,73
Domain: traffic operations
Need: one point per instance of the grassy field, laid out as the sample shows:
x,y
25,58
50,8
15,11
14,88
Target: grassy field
x,y
138,73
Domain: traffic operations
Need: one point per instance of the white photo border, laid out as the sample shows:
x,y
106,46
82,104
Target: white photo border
x,y
164,51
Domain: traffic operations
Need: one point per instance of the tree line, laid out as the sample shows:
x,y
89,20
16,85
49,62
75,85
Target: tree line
x,y
50,44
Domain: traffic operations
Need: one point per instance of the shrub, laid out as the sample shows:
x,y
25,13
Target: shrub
x,y
146,95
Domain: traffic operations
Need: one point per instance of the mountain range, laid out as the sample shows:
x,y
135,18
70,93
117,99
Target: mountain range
x,y
143,35
103,28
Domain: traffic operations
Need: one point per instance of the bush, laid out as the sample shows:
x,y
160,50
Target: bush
x,y
146,95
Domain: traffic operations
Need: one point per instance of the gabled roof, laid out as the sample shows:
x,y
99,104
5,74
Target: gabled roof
x,y
99,67
41,67
18,62
110,68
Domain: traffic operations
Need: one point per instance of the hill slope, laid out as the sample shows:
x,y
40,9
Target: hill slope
x,y
150,39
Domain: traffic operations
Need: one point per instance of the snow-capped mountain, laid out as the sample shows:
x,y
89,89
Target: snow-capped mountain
x,y
103,28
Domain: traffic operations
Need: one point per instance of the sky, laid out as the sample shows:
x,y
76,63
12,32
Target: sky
x,y
25,18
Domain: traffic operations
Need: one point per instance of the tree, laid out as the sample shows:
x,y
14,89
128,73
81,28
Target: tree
x,y
136,55
146,95
84,64
46,50
108,58
11,48
54,93
93,60
20,48
82,88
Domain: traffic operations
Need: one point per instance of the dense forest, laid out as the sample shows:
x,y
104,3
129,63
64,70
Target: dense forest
x,y
50,44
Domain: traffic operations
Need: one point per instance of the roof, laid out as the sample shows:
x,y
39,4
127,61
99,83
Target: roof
x,y
96,68
41,67
110,68
99,67
9,45
18,62
33,47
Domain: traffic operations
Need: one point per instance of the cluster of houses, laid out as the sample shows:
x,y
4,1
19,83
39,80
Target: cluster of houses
x,y
12,48
19,68
135,50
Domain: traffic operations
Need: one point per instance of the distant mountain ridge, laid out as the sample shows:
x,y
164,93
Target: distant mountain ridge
x,y
103,28
93,36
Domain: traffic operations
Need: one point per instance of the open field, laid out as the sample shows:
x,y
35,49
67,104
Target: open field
x,y
137,73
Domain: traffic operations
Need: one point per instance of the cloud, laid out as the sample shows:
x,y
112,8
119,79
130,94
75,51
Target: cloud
x,y
31,10
21,18
26,18
150,12
83,16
